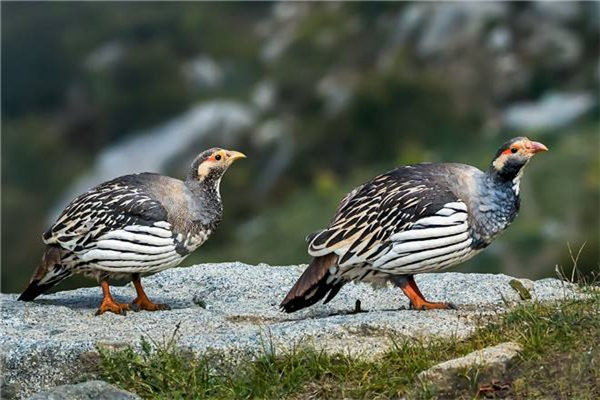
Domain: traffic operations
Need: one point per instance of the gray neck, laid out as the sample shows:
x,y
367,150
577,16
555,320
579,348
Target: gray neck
x,y
206,206
496,207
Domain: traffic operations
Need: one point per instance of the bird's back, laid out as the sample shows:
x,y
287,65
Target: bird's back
x,y
111,205
368,217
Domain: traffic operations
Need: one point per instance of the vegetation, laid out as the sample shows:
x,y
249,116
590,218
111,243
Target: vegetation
x,y
560,360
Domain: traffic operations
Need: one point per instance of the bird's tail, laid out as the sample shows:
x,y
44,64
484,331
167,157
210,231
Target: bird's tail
x,y
49,272
315,283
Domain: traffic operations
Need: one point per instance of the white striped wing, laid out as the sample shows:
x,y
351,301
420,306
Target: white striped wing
x,y
134,248
433,242
110,206
405,217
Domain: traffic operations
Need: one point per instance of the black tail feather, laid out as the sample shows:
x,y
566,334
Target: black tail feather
x,y
312,285
34,290
334,290
50,270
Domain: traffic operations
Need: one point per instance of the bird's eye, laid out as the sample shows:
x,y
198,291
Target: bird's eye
x,y
218,157
513,150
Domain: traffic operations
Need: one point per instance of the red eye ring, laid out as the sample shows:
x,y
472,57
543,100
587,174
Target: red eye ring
x,y
514,150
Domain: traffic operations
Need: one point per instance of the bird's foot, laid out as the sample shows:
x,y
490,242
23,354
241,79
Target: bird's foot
x,y
112,306
428,305
144,303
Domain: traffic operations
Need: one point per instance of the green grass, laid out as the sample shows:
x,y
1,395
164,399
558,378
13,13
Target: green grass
x,y
561,359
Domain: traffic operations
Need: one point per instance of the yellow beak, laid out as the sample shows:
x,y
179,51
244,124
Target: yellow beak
x,y
234,155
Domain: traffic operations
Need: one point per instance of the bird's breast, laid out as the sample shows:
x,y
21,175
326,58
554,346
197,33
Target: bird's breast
x,y
491,217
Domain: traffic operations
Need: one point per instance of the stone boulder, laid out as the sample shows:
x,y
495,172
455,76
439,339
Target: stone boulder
x,y
233,308
487,364
90,390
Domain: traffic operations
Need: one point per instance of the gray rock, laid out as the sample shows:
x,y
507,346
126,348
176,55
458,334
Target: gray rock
x,y
562,12
204,72
558,46
53,340
279,31
438,27
91,390
263,95
336,90
489,363
105,56
552,111
273,134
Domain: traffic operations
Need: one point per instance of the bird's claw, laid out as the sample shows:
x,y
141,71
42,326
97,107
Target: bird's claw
x,y
145,304
113,307
433,306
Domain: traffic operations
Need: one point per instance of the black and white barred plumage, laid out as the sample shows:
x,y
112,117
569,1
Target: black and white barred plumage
x,y
135,224
118,227
413,219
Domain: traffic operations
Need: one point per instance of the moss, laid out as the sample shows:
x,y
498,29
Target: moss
x,y
522,290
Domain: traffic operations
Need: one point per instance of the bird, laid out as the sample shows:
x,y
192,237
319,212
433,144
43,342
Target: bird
x,y
413,219
133,226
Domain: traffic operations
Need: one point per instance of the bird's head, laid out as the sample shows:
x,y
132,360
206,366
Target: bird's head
x,y
513,155
211,164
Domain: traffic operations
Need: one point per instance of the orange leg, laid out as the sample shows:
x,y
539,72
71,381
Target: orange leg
x,y
417,300
108,303
142,302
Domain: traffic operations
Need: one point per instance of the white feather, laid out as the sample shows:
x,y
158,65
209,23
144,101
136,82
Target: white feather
x,y
429,233
149,229
119,245
104,254
395,260
437,263
127,267
440,220
163,225
122,234
404,247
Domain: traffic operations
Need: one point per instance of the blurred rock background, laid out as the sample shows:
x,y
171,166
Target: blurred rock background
x,y
321,97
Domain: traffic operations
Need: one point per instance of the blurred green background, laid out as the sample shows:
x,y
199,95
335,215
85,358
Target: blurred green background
x,y
321,97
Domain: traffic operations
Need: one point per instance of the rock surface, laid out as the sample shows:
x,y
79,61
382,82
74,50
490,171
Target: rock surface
x,y
552,111
91,390
52,341
489,363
